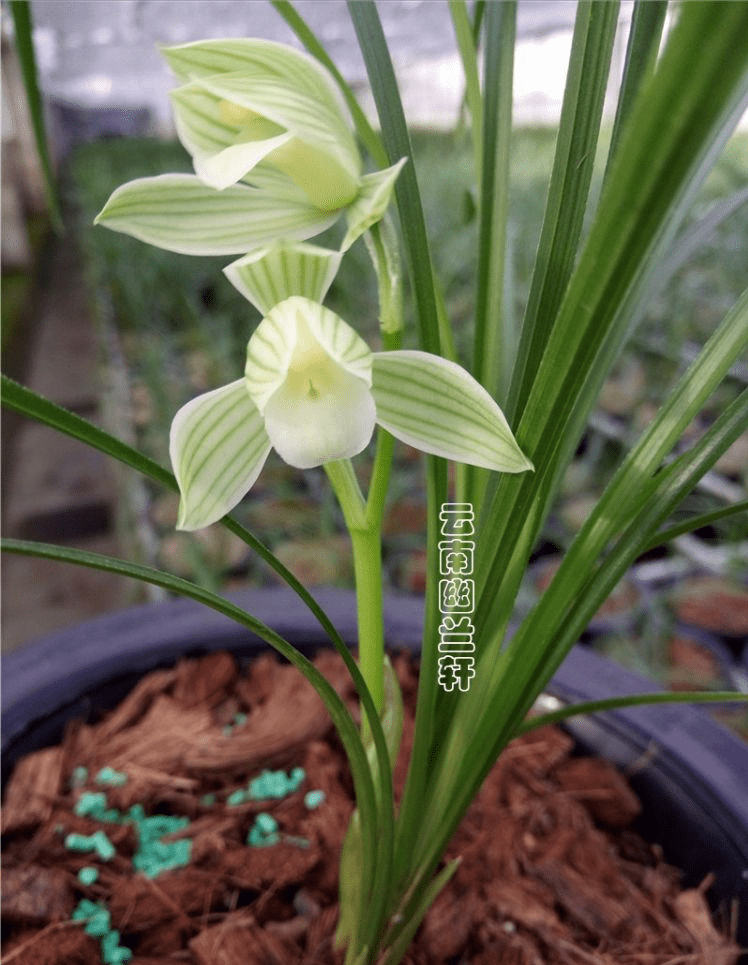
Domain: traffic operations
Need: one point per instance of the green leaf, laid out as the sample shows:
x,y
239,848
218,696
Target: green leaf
x,y
490,361
633,700
362,779
270,275
645,34
218,446
22,27
396,139
579,128
695,522
391,717
22,400
700,89
464,34
350,892
435,405
179,213
412,918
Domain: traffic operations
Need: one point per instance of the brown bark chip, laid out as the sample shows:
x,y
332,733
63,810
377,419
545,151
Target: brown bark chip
x,y
32,789
35,895
549,872
601,788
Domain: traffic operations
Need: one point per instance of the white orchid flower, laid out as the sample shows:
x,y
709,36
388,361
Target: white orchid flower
x,y
314,391
273,155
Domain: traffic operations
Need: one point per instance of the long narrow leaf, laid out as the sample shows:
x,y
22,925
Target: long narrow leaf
x,y
647,22
466,45
397,144
579,128
490,363
528,677
695,522
21,12
22,400
635,700
662,166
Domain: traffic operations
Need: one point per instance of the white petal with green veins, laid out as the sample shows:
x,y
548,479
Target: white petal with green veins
x,y
218,446
369,207
295,336
230,165
291,106
436,406
204,58
309,374
271,275
180,213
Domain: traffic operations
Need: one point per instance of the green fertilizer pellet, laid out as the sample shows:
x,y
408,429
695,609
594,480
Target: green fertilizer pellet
x,y
88,875
313,799
107,775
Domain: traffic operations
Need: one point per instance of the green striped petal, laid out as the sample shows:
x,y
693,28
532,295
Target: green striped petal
x,y
309,374
270,275
216,114
294,108
205,58
435,405
299,333
218,445
373,199
221,152
179,213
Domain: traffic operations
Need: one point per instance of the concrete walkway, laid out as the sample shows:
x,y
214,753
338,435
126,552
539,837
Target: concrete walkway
x,y
57,490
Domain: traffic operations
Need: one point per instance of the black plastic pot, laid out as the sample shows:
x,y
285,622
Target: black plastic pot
x,y
690,773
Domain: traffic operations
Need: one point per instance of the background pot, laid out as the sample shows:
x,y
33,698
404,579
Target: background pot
x,y
690,773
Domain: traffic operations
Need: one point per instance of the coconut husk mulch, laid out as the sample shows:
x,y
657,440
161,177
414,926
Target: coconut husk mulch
x,y
550,872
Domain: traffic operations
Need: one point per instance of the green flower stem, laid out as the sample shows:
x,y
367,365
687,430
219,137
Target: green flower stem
x,y
367,563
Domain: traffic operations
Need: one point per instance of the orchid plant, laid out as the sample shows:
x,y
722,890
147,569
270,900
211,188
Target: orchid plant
x,y
277,162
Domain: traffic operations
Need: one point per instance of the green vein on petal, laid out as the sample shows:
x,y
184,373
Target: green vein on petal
x,y
218,446
180,213
270,275
435,405
372,202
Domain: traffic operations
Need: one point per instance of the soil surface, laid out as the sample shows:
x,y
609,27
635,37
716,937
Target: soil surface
x,y
551,873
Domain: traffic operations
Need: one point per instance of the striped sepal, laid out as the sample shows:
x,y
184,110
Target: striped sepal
x,y
436,406
205,58
179,213
372,201
218,445
271,275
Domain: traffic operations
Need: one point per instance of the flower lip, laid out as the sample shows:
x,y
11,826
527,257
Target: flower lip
x,y
309,374
299,333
